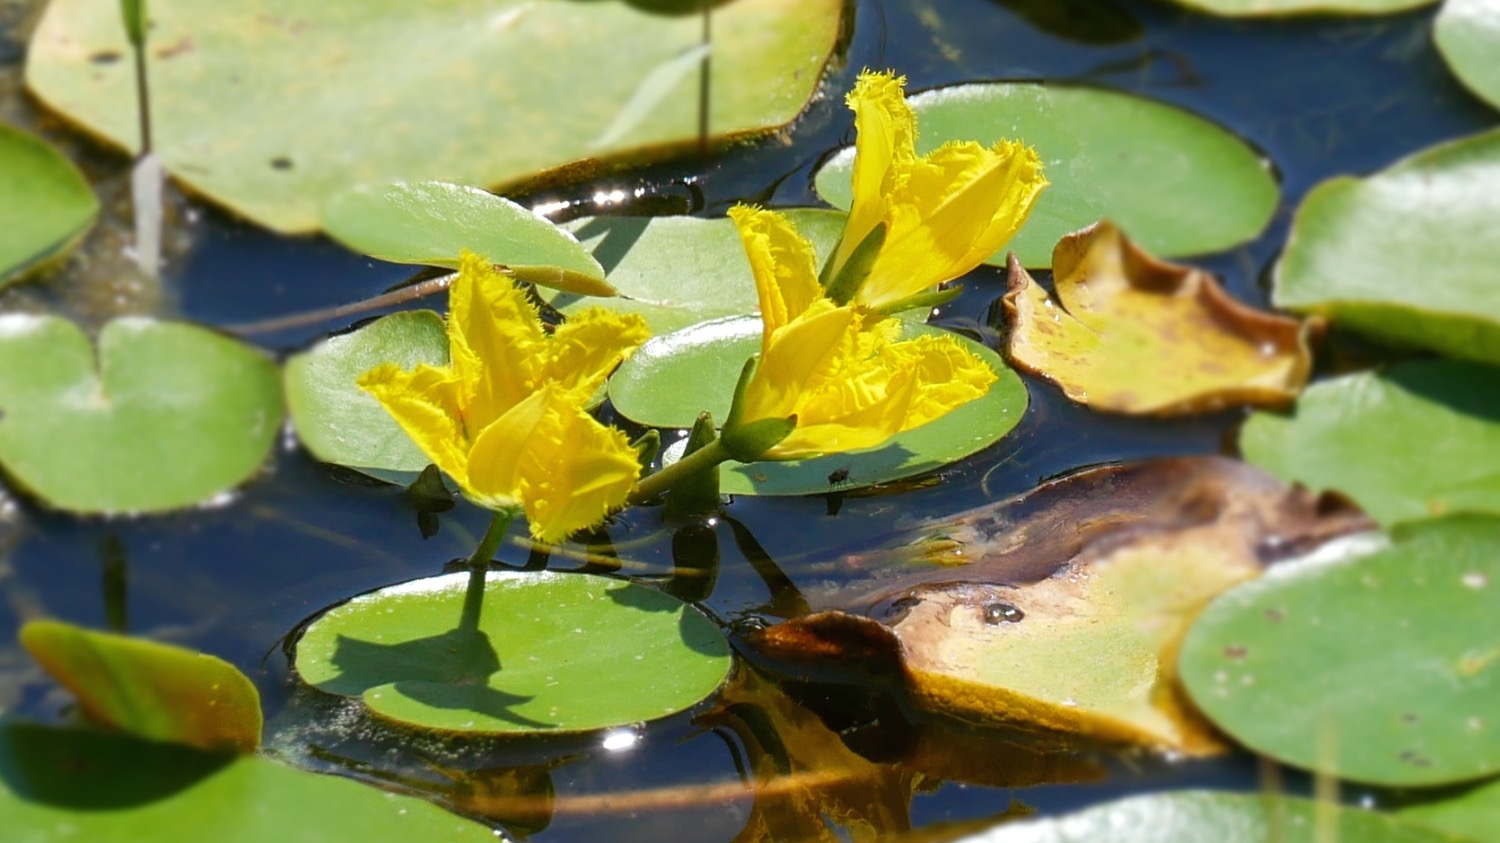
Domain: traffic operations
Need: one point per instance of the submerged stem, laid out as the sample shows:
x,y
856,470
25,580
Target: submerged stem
x,y
703,459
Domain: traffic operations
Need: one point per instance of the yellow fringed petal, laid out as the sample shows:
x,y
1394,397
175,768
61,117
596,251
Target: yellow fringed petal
x,y
505,418
798,358
885,148
945,212
954,209
784,265
841,371
426,404
494,337
587,347
570,472
946,374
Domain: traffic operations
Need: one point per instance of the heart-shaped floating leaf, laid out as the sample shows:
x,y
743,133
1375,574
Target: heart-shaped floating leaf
x,y
155,691
1274,8
1104,153
671,379
58,785
679,271
45,205
1406,255
550,652
1420,439
1062,607
1472,814
270,110
1380,664
1205,815
341,423
169,416
1138,335
1467,33
431,222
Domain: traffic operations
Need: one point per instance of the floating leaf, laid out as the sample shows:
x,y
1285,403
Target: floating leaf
x,y
170,414
271,111
341,423
652,91
1467,33
1474,813
1406,255
679,271
1205,815
671,379
45,205
431,222
1420,439
1062,608
1275,8
1378,664
58,785
1138,335
155,691
1180,184
551,652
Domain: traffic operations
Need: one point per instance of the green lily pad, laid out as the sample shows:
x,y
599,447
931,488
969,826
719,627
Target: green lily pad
x,y
1103,153
45,205
61,785
1276,8
1467,33
155,691
1474,813
551,652
431,222
341,423
170,415
671,379
1205,815
1380,664
1418,440
679,271
272,107
1406,255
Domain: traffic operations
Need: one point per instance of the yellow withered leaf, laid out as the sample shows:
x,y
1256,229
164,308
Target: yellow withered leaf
x,y
1132,334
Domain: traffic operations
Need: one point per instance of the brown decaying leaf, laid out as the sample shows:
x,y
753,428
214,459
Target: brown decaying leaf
x,y
1135,334
1069,601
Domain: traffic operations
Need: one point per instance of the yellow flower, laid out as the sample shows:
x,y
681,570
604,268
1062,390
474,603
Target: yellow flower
x,y
944,213
839,370
505,417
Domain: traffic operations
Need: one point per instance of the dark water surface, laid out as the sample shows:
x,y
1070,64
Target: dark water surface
x,y
1319,96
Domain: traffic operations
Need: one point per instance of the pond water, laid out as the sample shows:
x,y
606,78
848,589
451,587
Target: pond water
x,y
1319,97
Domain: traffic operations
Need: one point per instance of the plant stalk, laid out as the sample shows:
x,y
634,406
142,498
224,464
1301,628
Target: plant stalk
x,y
704,92
654,485
479,564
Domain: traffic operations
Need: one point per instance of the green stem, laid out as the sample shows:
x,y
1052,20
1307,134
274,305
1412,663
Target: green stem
x,y
703,459
704,91
479,564
145,99
499,526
